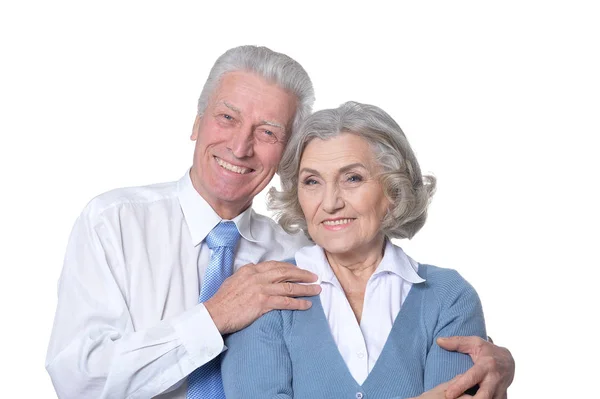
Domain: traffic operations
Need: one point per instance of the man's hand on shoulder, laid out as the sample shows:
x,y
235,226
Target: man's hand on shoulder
x,y
257,289
494,368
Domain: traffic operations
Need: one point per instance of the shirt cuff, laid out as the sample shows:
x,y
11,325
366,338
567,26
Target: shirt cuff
x,y
199,335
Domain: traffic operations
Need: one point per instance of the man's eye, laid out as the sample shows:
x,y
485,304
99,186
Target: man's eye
x,y
228,117
267,136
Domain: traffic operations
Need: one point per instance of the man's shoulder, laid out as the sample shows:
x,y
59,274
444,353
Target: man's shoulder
x,y
271,231
138,196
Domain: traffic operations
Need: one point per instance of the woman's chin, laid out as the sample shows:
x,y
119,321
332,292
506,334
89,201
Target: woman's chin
x,y
340,248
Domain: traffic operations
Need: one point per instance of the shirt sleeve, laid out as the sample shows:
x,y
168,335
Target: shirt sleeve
x,y
95,351
257,363
460,314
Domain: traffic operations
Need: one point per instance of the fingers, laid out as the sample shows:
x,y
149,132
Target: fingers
x,y
287,303
491,387
484,393
280,296
493,369
472,377
468,345
446,384
292,289
277,284
277,272
437,392
254,290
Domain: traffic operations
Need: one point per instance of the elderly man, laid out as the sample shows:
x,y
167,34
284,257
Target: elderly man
x,y
153,275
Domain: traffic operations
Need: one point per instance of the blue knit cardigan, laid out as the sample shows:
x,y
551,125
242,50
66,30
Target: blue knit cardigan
x,y
292,354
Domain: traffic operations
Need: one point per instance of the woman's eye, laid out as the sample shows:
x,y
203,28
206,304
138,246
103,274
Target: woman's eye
x,y
354,178
310,182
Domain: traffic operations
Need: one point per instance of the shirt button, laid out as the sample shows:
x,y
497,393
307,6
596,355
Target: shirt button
x,y
359,395
360,356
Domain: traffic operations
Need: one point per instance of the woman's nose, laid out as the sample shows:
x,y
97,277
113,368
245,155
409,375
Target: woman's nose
x,y
333,200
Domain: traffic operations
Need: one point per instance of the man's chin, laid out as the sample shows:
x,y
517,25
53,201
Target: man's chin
x,y
231,205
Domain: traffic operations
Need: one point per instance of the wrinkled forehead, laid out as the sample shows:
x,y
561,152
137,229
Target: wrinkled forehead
x,y
252,96
340,150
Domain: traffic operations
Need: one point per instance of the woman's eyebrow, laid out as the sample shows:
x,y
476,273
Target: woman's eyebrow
x,y
309,170
352,166
341,170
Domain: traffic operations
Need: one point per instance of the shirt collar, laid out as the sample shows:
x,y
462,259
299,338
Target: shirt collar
x,y
394,261
397,262
312,258
201,218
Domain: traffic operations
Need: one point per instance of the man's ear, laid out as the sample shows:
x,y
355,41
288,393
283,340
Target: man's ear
x,y
196,127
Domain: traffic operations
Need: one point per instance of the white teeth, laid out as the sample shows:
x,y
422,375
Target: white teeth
x,y
233,168
336,222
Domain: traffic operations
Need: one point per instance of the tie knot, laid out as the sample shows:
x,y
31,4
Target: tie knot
x,y
225,234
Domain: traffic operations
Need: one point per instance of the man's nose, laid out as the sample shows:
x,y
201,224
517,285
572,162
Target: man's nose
x,y
241,142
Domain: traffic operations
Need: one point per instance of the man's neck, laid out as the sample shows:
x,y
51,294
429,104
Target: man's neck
x,y
227,210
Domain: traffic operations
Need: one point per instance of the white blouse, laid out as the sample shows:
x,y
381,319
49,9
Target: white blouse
x,y
361,345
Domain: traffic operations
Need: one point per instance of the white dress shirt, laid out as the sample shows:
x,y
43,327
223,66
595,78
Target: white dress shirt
x,y
361,345
128,323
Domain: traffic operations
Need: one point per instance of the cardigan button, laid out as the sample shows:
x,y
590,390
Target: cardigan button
x,y
359,395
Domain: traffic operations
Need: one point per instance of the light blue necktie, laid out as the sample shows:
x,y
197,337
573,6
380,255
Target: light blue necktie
x,y
205,382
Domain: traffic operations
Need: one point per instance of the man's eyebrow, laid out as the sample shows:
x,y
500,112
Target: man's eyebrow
x,y
264,122
231,107
274,124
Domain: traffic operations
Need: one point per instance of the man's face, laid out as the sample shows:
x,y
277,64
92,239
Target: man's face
x,y
240,139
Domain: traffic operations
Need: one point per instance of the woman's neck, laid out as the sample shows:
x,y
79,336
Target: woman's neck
x,y
353,270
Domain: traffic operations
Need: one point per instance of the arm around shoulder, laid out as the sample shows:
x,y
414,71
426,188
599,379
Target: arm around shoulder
x,y
459,313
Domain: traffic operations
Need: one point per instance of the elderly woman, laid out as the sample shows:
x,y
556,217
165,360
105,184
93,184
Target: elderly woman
x,y
351,182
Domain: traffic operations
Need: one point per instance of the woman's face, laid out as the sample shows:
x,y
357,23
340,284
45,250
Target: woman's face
x,y
340,194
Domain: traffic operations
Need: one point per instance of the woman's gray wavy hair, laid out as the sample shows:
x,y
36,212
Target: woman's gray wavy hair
x,y
408,191
269,65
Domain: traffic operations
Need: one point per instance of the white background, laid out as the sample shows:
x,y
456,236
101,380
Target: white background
x,y
500,100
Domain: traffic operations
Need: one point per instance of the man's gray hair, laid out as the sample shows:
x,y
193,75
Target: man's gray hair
x,y
269,65
408,191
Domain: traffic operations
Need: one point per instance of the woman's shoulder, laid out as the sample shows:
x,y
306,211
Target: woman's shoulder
x,y
437,275
444,283
287,318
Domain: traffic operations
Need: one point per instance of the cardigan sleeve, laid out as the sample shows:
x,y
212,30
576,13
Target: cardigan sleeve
x,y
257,363
460,314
